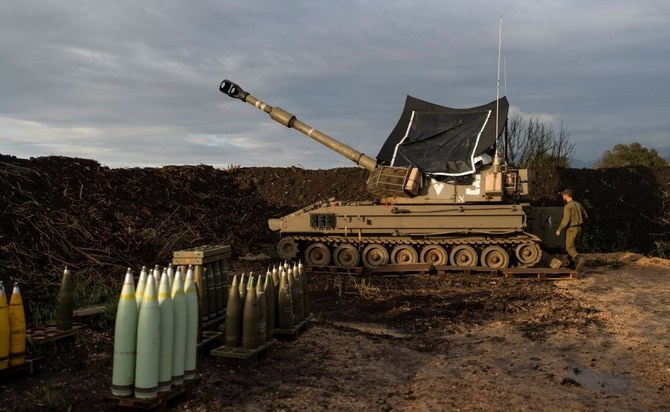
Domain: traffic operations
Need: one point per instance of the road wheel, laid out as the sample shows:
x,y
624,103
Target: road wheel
x,y
528,254
404,255
346,256
374,256
434,254
463,255
317,254
495,257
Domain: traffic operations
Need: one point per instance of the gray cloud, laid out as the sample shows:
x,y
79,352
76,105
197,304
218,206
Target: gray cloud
x,y
136,83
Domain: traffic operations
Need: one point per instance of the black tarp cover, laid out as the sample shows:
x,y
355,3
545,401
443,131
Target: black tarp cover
x,y
440,140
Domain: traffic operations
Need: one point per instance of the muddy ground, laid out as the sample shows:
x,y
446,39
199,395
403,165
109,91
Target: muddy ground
x,y
424,343
411,343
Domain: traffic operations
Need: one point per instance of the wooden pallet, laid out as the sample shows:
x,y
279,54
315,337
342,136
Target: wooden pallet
x,y
89,311
540,273
49,333
241,355
209,340
18,371
158,403
335,269
292,333
517,273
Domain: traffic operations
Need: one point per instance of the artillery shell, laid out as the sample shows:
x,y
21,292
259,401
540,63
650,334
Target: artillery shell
x,y
250,338
192,325
125,340
4,329
285,303
167,334
179,345
148,343
271,303
141,284
65,303
262,311
17,328
234,316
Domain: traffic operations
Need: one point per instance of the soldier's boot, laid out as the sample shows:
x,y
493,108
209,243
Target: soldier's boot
x,y
581,262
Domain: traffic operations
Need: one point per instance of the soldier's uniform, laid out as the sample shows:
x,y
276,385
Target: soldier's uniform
x,y
574,216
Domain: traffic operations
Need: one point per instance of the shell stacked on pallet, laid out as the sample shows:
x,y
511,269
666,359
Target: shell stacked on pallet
x,y
210,278
261,307
65,302
17,328
292,298
5,332
155,336
247,312
12,329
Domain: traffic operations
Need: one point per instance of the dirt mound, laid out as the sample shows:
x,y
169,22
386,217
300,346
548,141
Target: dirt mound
x,y
60,211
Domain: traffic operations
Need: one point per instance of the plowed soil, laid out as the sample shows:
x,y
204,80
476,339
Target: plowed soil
x,y
392,343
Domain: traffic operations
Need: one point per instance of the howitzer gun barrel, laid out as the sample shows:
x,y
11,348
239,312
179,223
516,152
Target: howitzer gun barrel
x,y
289,120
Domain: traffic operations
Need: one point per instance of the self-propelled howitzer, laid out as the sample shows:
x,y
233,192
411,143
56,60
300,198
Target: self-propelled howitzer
x,y
443,196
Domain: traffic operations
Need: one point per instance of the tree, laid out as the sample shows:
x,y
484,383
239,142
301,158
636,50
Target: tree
x,y
533,144
633,154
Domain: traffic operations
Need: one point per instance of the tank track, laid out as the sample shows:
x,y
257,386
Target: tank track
x,y
497,252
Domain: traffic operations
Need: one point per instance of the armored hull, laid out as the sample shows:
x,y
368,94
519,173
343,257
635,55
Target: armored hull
x,y
351,234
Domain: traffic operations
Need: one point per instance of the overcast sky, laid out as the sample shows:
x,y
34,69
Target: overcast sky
x,y
135,83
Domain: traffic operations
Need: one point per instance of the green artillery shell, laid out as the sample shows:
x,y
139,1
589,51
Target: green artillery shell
x,y
200,280
271,303
65,302
285,303
125,340
141,283
275,277
298,296
167,334
250,319
148,343
243,288
294,294
179,343
262,311
192,323
234,316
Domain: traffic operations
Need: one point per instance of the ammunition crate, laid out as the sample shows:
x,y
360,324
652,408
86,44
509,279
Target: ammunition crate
x,y
201,255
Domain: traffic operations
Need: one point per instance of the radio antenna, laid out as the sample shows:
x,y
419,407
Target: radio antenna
x,y
496,156
498,78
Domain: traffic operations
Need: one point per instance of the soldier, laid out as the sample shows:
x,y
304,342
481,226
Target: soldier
x,y
574,217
